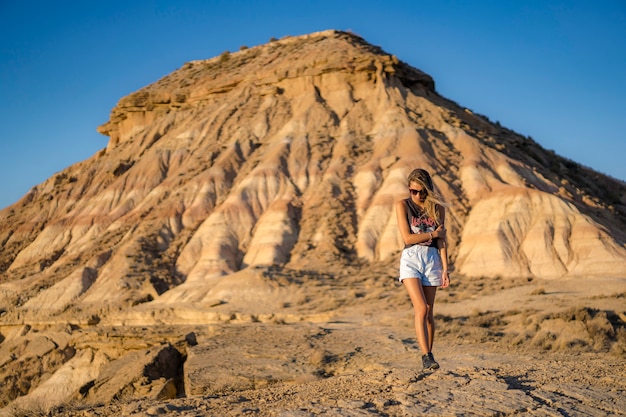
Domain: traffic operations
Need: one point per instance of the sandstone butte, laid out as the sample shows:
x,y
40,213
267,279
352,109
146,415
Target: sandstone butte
x,y
279,160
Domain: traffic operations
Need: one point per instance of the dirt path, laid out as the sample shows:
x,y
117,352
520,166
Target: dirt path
x,y
472,381
505,348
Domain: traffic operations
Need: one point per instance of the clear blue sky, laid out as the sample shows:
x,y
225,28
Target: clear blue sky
x,y
552,70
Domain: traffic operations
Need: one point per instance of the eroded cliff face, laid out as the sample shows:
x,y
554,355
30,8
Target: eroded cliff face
x,y
291,154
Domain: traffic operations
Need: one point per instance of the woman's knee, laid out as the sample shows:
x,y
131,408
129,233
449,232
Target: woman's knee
x,y
421,311
431,319
427,313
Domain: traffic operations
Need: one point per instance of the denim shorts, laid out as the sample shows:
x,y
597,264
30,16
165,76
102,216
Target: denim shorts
x,y
422,262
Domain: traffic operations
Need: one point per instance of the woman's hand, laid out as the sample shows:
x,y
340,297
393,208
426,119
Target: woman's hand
x,y
446,279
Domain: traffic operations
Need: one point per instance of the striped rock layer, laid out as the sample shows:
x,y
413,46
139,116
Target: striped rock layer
x,y
291,155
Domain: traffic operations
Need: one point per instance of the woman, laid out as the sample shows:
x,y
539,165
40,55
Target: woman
x,y
424,261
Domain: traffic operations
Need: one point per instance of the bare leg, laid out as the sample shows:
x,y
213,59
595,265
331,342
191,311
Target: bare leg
x,y
420,309
429,295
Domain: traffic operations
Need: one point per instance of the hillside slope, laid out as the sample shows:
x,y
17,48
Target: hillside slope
x,y
292,153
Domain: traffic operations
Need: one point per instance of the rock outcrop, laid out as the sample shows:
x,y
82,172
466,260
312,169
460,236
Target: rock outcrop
x,y
286,156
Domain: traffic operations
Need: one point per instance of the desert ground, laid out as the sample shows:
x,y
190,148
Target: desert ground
x,y
506,347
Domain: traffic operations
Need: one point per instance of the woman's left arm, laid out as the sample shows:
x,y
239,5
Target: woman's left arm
x,y
442,245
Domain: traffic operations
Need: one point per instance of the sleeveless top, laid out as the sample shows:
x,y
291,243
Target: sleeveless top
x,y
419,222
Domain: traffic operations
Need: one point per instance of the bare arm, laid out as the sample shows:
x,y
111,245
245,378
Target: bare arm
x,y
442,245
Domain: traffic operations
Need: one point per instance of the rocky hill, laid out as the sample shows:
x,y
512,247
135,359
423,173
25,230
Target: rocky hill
x,y
234,186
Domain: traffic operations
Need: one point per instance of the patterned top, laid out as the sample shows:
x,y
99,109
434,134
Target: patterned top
x,y
419,222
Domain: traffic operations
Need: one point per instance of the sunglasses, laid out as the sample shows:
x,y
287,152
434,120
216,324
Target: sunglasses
x,y
423,191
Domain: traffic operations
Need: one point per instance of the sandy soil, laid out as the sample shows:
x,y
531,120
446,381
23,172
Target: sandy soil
x,y
553,348
474,380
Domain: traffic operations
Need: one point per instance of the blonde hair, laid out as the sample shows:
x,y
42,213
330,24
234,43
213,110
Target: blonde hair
x,y
433,198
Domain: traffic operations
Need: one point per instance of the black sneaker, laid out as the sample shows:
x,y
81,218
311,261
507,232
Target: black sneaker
x,y
428,361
